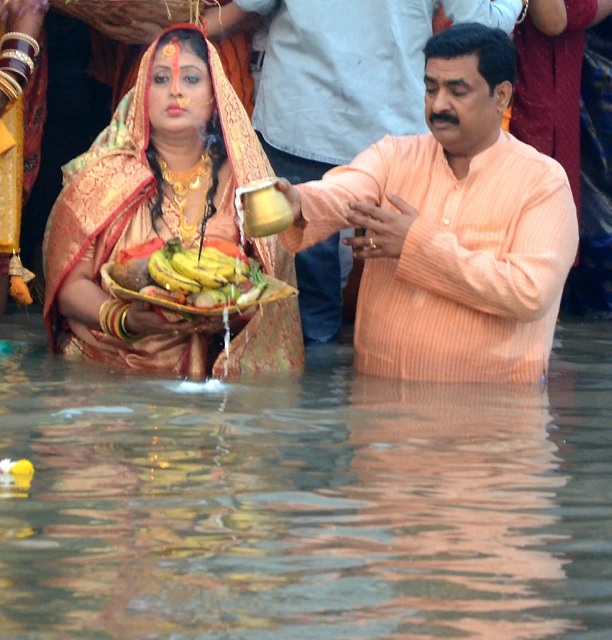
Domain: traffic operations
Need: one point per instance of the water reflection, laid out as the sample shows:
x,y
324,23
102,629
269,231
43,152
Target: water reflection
x,y
462,480
322,506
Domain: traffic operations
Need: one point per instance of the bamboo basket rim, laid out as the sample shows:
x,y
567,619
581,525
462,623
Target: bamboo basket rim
x,y
163,12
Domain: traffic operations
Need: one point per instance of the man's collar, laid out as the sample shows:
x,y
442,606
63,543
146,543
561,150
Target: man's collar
x,y
481,159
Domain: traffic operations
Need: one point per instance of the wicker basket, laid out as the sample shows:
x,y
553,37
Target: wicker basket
x,y
120,12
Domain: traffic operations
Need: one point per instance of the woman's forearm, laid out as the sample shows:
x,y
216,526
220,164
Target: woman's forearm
x,y
23,21
549,16
604,10
82,303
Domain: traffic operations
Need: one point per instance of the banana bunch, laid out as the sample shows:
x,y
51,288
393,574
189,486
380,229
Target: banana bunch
x,y
189,271
165,275
212,268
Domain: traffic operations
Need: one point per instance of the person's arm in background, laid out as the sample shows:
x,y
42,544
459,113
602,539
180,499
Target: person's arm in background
x,y
552,17
581,14
225,20
25,17
221,21
549,16
263,7
500,13
604,10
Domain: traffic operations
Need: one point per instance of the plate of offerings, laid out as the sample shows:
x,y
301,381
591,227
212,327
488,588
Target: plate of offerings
x,y
216,280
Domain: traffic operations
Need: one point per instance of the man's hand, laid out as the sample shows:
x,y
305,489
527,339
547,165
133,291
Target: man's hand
x,y
385,229
293,196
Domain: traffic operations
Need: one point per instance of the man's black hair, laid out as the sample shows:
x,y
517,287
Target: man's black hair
x,y
495,50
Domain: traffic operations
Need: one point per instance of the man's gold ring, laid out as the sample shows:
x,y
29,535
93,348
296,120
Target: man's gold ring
x,y
371,241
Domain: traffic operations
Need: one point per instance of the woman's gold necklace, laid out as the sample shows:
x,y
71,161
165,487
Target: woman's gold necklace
x,y
181,183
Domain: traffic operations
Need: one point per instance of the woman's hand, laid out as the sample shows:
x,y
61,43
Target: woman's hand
x,y
25,16
143,318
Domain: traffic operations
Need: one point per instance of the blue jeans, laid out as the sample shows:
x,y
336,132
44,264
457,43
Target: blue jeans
x,y
318,267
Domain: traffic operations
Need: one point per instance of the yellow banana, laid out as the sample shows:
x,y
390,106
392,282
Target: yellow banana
x,y
162,271
228,267
213,253
187,265
237,277
222,269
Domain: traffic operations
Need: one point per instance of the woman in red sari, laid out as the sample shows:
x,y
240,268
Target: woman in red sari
x,y
22,114
546,101
181,114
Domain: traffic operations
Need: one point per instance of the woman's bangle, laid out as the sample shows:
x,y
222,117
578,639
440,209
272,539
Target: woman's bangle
x,y
20,45
112,316
523,13
123,332
18,55
18,35
16,69
9,86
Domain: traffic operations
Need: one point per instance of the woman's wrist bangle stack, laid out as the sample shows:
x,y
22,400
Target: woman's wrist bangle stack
x,y
23,41
18,52
112,316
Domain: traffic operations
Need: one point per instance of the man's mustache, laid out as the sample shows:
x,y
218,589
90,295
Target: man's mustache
x,y
443,117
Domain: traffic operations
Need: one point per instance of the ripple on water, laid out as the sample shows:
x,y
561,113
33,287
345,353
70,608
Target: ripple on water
x,y
325,505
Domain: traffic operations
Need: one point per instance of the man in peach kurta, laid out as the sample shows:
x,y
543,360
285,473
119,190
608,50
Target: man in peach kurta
x,y
469,233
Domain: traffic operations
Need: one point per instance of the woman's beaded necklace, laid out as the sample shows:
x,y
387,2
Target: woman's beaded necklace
x,y
181,183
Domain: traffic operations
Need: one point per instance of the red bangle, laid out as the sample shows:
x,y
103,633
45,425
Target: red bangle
x,y
18,69
20,45
24,37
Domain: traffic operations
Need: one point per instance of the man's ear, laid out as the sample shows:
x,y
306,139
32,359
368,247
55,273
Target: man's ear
x,y
503,94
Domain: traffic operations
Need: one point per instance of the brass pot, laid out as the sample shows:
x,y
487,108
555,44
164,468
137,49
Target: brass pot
x,y
263,208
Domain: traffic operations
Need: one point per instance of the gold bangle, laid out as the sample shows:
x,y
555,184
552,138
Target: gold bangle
x,y
7,95
8,91
12,81
22,36
8,86
124,334
111,316
103,314
523,13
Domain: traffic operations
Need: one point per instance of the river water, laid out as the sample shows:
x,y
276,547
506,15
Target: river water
x,y
320,506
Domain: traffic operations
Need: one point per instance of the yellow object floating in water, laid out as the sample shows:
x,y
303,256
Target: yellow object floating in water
x,y
21,467
16,475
